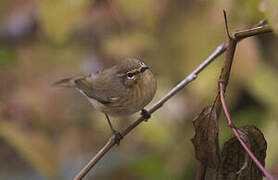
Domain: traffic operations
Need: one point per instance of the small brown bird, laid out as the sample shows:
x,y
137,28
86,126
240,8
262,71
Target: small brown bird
x,y
120,90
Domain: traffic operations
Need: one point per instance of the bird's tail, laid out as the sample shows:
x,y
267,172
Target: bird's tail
x,y
68,82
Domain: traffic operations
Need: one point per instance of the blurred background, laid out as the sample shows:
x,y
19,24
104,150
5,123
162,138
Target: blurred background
x,y
51,133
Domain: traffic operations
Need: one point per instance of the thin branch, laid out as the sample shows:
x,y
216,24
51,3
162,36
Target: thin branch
x,y
226,24
111,142
239,35
236,132
225,75
229,56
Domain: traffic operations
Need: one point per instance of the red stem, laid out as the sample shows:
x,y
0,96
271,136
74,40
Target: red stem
x,y
235,130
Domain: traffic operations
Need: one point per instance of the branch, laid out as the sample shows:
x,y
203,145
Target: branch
x,y
225,74
236,132
205,140
111,141
262,28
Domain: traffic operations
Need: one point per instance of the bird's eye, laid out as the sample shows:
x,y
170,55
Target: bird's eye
x,y
130,76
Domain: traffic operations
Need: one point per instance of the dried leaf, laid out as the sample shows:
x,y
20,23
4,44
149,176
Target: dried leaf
x,y
205,140
236,163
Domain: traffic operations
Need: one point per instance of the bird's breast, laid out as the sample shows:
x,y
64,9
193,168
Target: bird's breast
x,y
133,99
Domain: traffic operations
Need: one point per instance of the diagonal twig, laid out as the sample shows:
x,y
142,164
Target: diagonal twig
x,y
236,132
111,141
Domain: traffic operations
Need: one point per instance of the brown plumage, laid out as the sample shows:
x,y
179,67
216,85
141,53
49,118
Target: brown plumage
x,y
120,90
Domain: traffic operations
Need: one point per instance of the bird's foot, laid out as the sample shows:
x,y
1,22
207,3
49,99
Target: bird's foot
x,y
146,115
118,137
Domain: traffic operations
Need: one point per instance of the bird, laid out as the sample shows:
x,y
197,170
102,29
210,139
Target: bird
x,y
118,91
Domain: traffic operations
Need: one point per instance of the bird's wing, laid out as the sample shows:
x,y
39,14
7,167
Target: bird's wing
x,y
84,85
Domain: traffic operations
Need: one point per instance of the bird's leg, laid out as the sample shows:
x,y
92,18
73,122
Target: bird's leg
x,y
146,115
117,134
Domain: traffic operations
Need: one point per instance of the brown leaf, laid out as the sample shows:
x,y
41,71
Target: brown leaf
x,y
236,163
205,140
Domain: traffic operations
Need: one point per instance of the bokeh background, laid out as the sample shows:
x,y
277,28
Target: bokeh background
x,y
51,133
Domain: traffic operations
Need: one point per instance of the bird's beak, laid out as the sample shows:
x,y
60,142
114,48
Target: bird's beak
x,y
144,68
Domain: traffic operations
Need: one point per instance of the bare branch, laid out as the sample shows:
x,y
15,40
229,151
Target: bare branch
x,y
237,134
225,75
260,29
226,24
111,142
